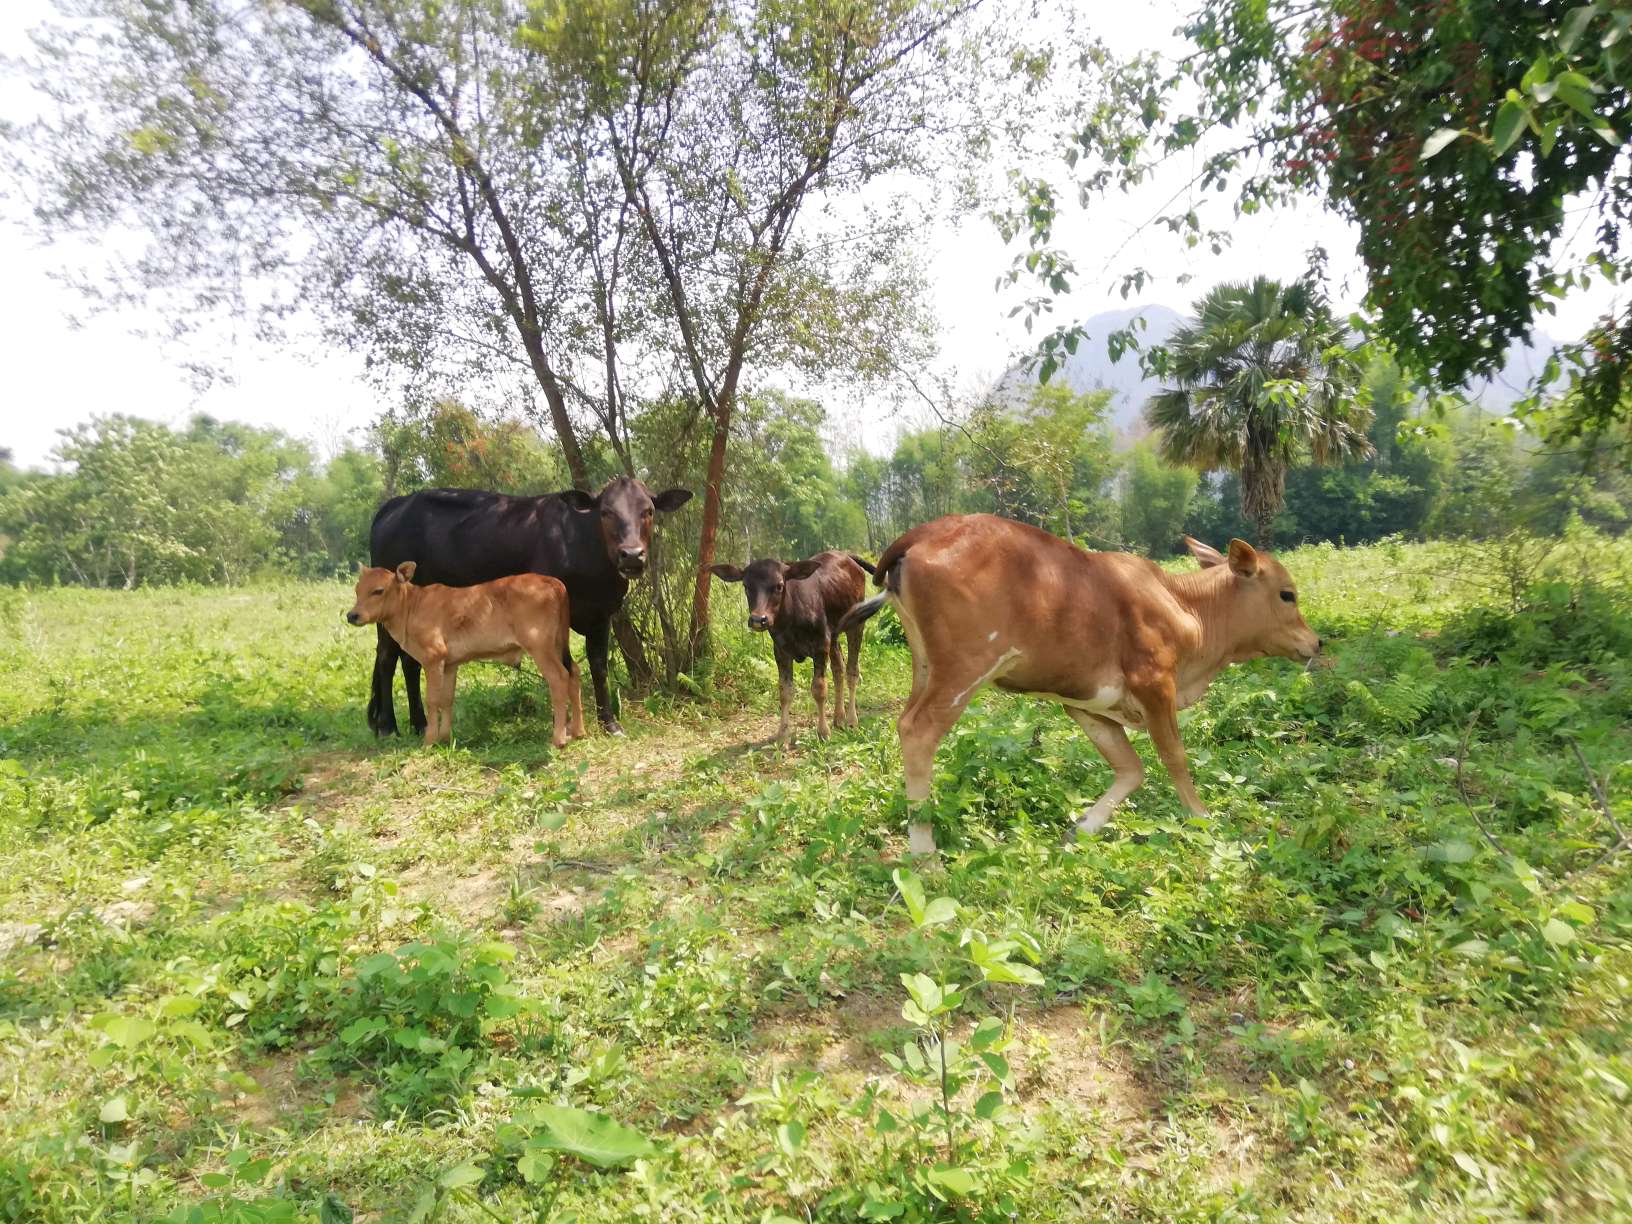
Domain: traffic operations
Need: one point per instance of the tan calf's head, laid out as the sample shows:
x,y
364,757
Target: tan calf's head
x,y
1263,603
376,590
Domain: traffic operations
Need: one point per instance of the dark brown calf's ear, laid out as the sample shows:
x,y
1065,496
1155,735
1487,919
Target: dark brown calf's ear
x,y
1243,558
799,569
728,572
405,571
671,499
1206,554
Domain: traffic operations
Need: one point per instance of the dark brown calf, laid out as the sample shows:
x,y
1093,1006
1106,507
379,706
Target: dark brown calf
x,y
800,606
1112,637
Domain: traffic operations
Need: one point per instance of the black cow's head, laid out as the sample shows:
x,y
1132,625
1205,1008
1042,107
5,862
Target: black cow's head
x,y
764,582
626,507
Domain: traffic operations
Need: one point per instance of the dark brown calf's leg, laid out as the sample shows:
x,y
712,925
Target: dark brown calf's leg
x,y
835,656
818,690
784,679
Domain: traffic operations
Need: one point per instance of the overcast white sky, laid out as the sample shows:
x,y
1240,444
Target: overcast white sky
x,y
57,374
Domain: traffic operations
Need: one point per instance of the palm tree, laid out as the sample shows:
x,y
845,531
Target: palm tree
x,y
1261,377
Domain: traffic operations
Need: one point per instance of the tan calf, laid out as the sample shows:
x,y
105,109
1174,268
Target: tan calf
x,y
442,627
1112,637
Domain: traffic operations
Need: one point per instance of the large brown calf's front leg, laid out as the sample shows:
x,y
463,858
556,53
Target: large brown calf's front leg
x,y
1112,742
1162,719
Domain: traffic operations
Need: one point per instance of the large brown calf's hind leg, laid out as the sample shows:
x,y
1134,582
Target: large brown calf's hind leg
x,y
929,715
1161,717
1113,745
853,670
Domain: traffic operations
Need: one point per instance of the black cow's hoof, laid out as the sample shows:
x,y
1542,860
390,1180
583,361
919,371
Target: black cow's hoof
x,y
383,730
612,727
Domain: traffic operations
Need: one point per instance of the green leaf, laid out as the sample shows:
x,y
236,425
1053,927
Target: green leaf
x,y
988,1105
456,1178
1508,127
881,1209
1558,933
1577,911
1449,852
953,1180
1471,948
126,1032
1438,141
601,1141
942,909
534,1166
1575,25
986,1034
790,1137
925,993
912,893
114,1109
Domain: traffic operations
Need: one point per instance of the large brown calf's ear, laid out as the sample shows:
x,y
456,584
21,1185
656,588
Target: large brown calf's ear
x,y
405,571
1204,553
1243,558
671,499
800,569
728,572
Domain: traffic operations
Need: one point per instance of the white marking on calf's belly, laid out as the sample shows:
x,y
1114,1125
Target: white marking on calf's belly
x,y
1109,701
991,673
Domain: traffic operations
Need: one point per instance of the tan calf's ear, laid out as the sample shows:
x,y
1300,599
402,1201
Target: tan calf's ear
x,y
405,571
1243,558
1204,553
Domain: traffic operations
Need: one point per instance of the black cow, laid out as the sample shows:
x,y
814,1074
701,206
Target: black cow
x,y
800,606
460,537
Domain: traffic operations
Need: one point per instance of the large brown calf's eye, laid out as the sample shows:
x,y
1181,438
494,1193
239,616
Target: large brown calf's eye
x,y
1288,597
378,591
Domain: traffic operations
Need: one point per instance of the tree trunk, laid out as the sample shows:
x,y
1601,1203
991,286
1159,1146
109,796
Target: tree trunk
x,y
712,490
558,409
642,678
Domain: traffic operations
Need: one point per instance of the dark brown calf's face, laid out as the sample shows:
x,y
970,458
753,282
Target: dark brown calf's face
x,y
626,508
764,582
375,586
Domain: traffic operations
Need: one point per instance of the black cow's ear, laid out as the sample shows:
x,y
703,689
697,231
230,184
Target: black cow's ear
x,y
800,569
671,499
729,573
577,499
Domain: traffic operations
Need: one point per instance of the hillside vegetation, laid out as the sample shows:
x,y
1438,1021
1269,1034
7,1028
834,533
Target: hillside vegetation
x,y
256,966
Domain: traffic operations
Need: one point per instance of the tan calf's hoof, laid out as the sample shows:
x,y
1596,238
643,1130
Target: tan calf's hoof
x,y
920,839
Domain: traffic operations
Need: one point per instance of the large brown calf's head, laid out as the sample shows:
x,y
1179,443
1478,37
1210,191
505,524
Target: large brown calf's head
x,y
764,583
376,590
1262,610
626,508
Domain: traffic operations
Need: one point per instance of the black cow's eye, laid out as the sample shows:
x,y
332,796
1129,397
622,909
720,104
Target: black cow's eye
x,y
1288,597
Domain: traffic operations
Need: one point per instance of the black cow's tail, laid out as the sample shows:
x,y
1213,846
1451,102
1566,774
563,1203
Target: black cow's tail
x,y
864,563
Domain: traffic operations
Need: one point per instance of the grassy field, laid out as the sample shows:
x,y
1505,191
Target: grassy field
x,y
256,966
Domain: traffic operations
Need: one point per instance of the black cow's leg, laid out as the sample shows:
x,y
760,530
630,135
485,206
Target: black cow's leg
x,y
382,714
410,681
597,638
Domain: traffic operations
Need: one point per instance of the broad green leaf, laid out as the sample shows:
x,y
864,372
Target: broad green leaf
x,y
986,1034
925,993
601,1141
467,1174
790,1137
126,1032
881,1209
1450,852
1558,933
912,893
986,1108
1438,141
942,909
114,1109
1471,948
1577,911
1508,127
1575,25
953,1180
534,1166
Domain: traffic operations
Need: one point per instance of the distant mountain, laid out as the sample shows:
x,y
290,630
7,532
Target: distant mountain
x,y
1090,368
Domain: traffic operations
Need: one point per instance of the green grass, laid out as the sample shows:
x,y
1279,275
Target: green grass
x,y
259,966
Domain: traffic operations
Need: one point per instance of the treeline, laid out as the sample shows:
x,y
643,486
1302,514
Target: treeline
x,y
138,503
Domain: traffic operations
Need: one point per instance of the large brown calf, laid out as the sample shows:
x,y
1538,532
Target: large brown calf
x,y
1111,637
800,606
442,627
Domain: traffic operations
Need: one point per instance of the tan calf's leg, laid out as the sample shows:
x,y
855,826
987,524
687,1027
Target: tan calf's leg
x,y
555,675
575,693
1161,717
450,681
1113,745
435,678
